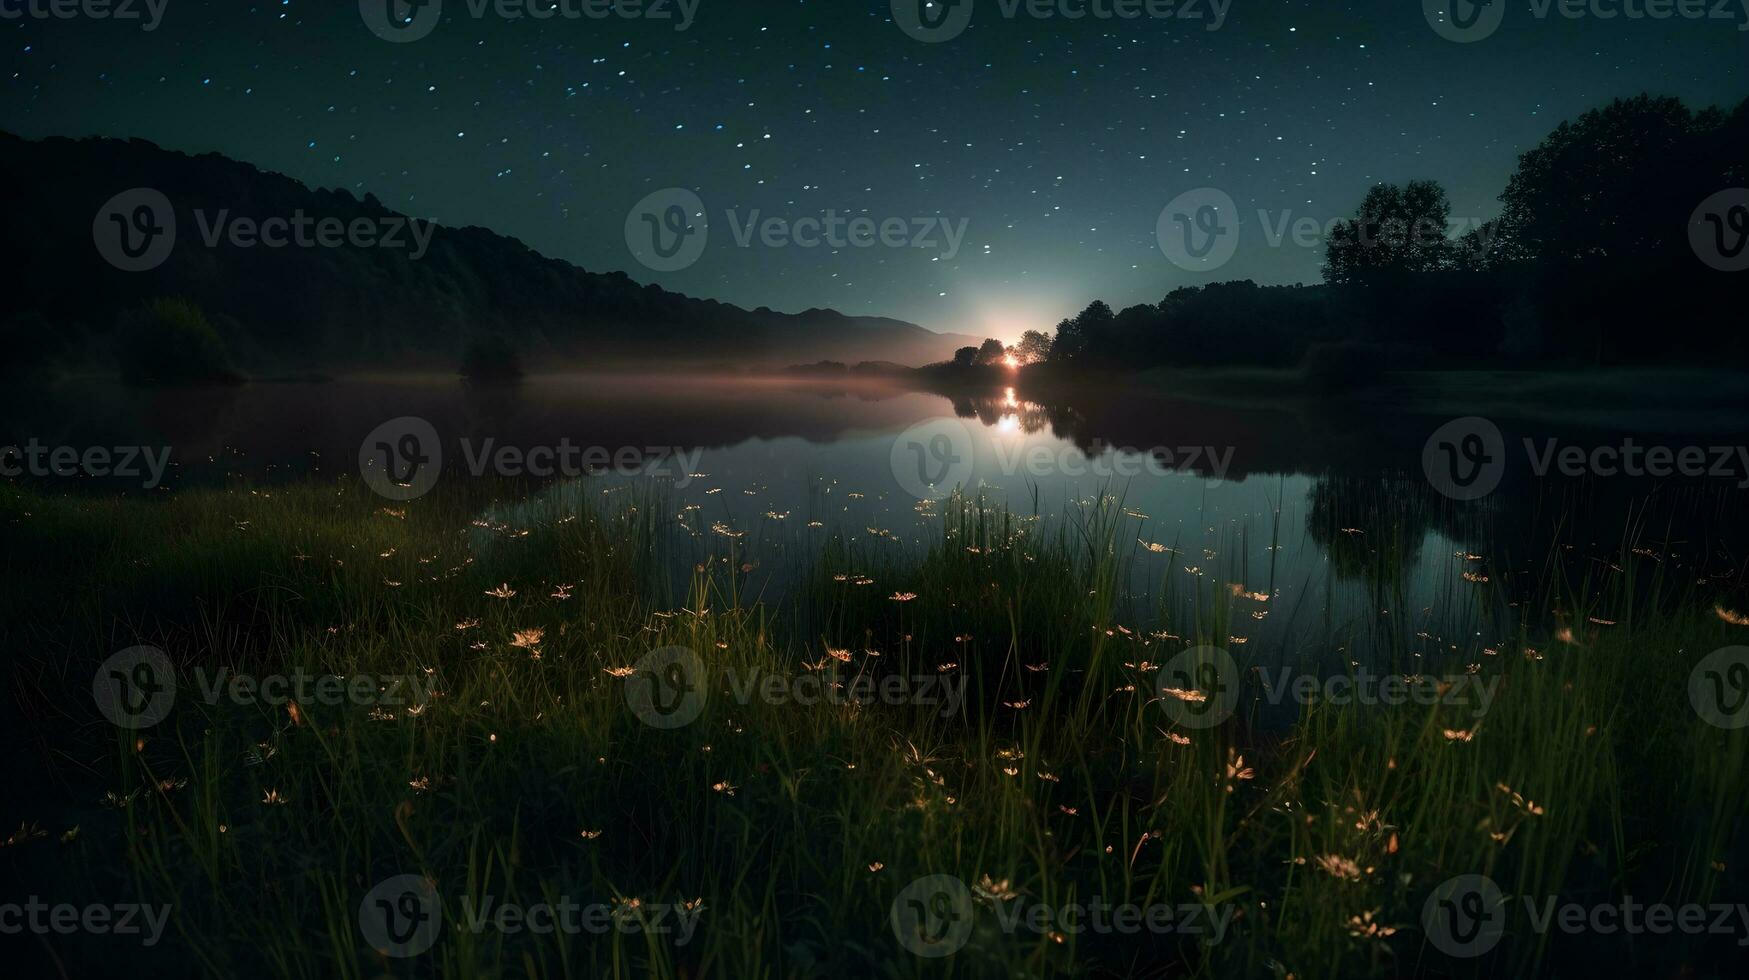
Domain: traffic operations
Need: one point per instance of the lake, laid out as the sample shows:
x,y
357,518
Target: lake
x,y
1320,526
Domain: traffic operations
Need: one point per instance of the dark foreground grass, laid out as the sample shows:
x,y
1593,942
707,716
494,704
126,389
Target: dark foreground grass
x,y
772,838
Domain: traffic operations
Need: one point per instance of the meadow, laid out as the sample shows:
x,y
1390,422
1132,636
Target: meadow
x,y
499,752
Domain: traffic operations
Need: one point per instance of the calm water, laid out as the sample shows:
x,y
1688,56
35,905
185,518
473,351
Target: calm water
x,y
1326,514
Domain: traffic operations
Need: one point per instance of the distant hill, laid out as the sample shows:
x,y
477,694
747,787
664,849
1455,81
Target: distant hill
x,y
839,369
347,307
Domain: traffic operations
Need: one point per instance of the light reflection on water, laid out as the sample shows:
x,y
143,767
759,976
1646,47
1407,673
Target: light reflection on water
x,y
1324,513
1187,535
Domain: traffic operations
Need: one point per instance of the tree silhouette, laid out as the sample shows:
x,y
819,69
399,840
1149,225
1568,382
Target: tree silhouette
x,y
1606,185
1089,331
1592,248
1593,234
1034,346
1399,231
1069,342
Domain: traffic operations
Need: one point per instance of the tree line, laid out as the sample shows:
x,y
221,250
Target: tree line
x,y
1590,262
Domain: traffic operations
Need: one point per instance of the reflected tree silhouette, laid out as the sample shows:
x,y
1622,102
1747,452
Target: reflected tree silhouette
x,y
1372,528
1031,417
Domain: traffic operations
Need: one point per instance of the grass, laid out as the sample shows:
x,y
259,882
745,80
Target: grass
x,y
788,830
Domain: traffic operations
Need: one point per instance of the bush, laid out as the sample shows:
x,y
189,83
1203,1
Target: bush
x,y
171,341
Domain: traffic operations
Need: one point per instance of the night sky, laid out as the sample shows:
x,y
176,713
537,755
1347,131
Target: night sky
x,y
1057,141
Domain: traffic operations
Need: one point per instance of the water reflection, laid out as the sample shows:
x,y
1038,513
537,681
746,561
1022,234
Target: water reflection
x,y
1321,509
1007,414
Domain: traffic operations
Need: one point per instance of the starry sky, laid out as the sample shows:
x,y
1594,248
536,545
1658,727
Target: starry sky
x,y
1056,141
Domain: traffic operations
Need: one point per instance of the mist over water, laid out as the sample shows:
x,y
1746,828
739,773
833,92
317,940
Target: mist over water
x,y
1320,527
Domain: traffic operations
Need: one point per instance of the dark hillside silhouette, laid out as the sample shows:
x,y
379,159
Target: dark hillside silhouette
x,y
302,309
